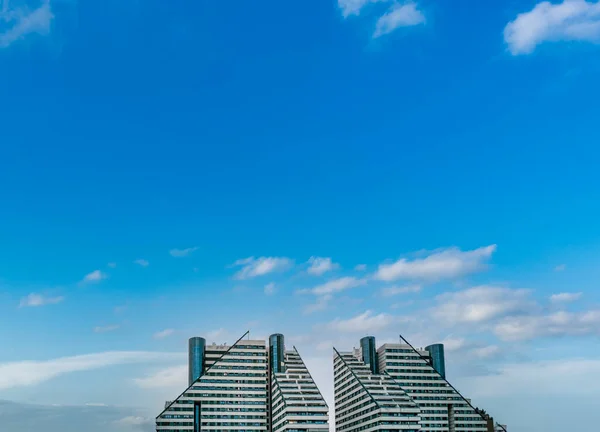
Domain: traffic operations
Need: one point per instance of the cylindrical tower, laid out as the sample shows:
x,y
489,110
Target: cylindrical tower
x,y
196,350
438,360
276,353
369,353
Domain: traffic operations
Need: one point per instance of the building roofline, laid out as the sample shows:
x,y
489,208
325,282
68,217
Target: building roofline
x,y
477,410
205,372
313,380
355,377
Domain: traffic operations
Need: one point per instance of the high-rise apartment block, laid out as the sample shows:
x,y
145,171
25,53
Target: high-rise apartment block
x,y
260,386
397,387
246,387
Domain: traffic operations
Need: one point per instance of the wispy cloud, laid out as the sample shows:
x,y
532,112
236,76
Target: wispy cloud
x,y
399,15
571,20
561,267
94,277
486,351
270,289
253,267
321,303
564,378
360,267
326,291
181,253
396,290
481,304
565,297
141,262
335,286
29,373
170,377
354,7
217,335
443,264
365,322
452,344
163,334
22,22
36,300
320,266
558,324
112,265
106,329
136,421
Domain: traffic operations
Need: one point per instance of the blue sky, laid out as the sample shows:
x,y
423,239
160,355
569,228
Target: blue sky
x,y
172,169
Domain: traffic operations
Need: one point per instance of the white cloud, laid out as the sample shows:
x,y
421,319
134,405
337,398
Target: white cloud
x,y
95,276
520,328
112,265
181,253
564,378
486,351
326,291
470,348
444,264
22,22
353,7
141,262
481,304
270,289
163,334
396,290
106,329
454,344
571,20
319,265
36,300
216,336
565,297
399,15
253,267
171,377
335,286
320,304
561,267
401,304
360,267
135,421
363,323
29,373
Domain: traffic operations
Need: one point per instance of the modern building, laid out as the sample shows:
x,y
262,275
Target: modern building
x,y
296,403
234,388
418,374
196,348
438,358
366,401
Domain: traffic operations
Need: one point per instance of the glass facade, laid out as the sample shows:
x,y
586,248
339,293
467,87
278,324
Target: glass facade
x,y
437,358
276,353
369,353
196,351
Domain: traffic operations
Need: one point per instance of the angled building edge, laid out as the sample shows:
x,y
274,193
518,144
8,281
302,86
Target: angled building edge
x,y
365,401
230,395
462,416
400,388
296,403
